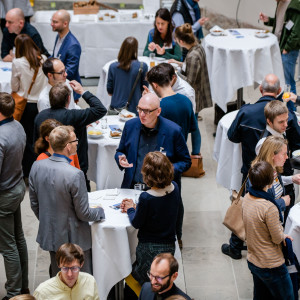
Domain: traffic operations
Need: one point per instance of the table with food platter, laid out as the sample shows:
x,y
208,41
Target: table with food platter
x,y
100,35
237,58
5,76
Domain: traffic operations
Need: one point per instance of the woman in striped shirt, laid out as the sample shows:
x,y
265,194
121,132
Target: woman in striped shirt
x,y
264,234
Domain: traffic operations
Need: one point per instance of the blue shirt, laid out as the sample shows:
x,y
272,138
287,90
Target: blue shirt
x,y
179,109
61,155
120,83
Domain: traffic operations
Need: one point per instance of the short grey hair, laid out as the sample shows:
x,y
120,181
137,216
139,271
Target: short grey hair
x,y
268,87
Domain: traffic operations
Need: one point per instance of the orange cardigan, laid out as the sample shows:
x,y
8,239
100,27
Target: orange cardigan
x,y
74,158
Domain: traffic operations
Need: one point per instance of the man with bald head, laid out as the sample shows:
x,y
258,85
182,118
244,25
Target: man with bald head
x,y
15,25
66,47
247,128
151,132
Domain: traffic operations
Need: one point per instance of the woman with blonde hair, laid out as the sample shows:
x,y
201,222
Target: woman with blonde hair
x,y
26,67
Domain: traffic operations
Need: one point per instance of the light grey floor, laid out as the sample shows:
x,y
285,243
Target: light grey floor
x,y
208,274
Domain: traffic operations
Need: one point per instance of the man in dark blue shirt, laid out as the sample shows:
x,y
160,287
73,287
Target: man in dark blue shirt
x,y
162,274
15,25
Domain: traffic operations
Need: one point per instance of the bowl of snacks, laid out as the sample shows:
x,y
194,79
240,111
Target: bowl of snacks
x,y
95,133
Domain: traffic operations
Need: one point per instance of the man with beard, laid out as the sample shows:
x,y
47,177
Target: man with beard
x,y
66,47
162,274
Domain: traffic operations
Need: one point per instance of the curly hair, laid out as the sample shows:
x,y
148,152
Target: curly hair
x,y
157,170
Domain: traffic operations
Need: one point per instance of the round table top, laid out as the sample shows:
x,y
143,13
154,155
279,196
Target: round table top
x,y
245,41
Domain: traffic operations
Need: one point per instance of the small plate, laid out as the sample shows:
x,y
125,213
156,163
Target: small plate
x,y
97,134
261,34
160,58
115,137
124,119
217,32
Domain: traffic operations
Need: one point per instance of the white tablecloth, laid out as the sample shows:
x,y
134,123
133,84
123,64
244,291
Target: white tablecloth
x,y
100,40
228,155
103,168
292,228
234,63
5,76
114,242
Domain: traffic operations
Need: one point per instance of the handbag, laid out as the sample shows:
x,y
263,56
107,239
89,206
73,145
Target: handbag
x,y
233,219
196,169
116,111
20,101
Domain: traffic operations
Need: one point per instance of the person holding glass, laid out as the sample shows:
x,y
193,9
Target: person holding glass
x,y
160,40
122,75
264,234
155,215
26,66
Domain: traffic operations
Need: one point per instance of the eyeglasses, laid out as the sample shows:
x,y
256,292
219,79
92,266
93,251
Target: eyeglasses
x,y
75,141
73,269
60,73
157,278
145,111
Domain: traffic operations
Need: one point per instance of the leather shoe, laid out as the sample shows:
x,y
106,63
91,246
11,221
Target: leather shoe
x,y
227,250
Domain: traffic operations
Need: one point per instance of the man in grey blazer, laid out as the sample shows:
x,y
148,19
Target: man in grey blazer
x,y
59,199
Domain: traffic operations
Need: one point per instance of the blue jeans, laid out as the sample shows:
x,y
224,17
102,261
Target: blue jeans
x,y
196,139
272,283
289,65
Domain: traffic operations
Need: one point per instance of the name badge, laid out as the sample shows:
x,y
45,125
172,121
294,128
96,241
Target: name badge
x,y
183,67
289,25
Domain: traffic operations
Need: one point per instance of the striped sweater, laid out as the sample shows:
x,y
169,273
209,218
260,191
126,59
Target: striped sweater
x,y
264,232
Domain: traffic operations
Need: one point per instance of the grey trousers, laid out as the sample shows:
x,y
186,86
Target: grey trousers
x,y
12,241
87,266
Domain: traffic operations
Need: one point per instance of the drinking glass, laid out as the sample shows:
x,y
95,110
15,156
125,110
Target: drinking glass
x,y
152,62
103,123
137,188
286,91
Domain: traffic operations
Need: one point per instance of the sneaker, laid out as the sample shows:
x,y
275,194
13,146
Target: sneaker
x,y
226,249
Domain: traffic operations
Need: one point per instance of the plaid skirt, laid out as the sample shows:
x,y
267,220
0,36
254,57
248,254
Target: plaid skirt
x,y
145,252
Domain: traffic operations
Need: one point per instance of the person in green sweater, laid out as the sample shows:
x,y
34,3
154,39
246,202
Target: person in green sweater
x,y
160,39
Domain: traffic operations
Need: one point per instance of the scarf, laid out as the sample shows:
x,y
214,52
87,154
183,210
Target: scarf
x,y
262,194
196,9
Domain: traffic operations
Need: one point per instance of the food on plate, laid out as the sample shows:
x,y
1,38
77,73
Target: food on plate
x,y
127,116
112,16
101,18
115,133
134,15
217,30
94,132
106,15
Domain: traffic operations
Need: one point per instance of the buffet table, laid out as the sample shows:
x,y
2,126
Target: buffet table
x,y
228,156
114,241
103,168
100,40
5,76
236,61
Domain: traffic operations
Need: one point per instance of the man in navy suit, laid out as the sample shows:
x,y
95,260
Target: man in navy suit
x,y
151,132
66,47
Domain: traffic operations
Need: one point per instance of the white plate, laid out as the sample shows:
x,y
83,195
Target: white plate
x,y
115,137
217,32
95,136
160,58
125,119
261,34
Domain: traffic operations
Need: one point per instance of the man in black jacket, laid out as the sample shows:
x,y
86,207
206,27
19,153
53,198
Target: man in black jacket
x,y
15,25
78,118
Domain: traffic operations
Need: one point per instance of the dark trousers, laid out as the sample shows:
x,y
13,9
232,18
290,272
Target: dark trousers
x,y
272,283
87,266
27,122
12,241
289,190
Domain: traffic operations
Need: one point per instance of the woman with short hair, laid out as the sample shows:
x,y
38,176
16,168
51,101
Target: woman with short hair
x,y
122,75
155,214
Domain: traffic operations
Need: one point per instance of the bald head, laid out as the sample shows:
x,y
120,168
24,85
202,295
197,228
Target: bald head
x,y
60,22
270,85
15,20
151,100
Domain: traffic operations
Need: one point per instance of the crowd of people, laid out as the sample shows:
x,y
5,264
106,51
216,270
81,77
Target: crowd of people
x,y
45,147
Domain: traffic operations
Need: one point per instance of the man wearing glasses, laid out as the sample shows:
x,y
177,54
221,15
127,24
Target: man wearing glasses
x,y
59,199
162,274
69,283
151,132
56,72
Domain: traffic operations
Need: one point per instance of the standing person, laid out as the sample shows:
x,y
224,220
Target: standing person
x,y
286,26
265,236
194,68
62,207
155,214
122,76
66,47
70,282
15,25
26,65
160,40
12,190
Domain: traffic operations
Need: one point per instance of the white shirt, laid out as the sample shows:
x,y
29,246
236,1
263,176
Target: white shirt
x,y
183,87
44,102
58,45
21,78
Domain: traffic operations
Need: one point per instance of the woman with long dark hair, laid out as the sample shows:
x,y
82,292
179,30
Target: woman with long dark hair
x,y
28,61
122,75
160,40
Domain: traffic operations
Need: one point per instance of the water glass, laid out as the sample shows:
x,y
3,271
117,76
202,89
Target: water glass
x,y
103,123
137,188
